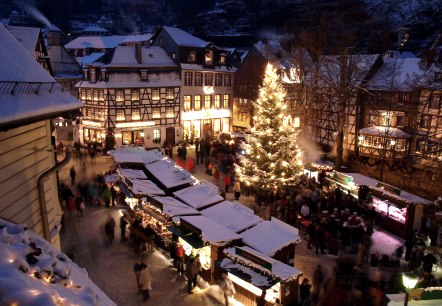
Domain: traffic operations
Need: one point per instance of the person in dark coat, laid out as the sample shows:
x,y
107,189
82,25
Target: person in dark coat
x,y
78,201
113,195
304,290
410,241
428,261
123,224
172,253
72,174
109,229
197,151
138,266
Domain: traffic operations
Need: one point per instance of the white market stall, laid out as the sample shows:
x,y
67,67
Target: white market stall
x,y
273,238
200,235
173,207
132,173
144,187
253,272
235,217
135,155
170,177
200,195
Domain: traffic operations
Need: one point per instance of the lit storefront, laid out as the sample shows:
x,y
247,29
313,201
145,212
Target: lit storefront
x,y
206,123
92,131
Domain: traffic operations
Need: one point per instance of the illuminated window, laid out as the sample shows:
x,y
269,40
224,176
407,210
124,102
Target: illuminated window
x,y
207,102
226,124
89,95
169,93
222,59
217,125
155,94
227,80
226,101
170,112
101,95
218,79
217,102
156,113
425,122
187,103
95,95
434,101
208,57
192,56
197,102
188,79
83,94
135,114
120,115
208,79
119,96
198,79
156,135
135,96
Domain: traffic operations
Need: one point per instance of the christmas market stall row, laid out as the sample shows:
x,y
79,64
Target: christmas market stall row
x,y
178,206
400,211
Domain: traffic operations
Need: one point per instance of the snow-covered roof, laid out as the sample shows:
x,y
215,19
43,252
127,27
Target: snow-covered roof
x,y
268,237
135,155
89,59
384,131
428,80
200,67
96,42
183,38
172,207
137,38
19,283
398,54
408,197
24,100
234,216
397,74
199,195
132,173
168,174
273,52
361,180
27,36
279,269
212,232
125,56
144,187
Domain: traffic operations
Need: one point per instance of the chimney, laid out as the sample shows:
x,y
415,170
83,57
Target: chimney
x,y
54,38
138,55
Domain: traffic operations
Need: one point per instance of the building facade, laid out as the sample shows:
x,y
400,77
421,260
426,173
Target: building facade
x,y
133,93
207,75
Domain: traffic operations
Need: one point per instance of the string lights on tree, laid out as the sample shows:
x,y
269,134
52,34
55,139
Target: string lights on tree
x,y
273,158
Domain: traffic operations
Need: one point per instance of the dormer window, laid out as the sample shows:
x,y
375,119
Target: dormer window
x,y
222,59
85,74
192,56
93,76
103,74
143,75
208,57
438,77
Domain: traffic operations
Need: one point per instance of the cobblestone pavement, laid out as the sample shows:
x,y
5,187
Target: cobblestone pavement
x,y
110,266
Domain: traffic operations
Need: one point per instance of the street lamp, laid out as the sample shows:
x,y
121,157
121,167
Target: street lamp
x,y
409,279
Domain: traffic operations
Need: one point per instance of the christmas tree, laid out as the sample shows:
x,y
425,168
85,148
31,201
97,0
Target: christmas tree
x,y
272,159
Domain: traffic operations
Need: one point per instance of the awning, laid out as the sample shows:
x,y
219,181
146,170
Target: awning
x,y
191,238
126,191
111,178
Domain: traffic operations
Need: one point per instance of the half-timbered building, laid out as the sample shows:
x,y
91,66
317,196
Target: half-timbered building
x,y
133,92
207,73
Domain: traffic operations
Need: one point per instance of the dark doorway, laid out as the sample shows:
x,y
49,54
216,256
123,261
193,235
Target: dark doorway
x,y
170,135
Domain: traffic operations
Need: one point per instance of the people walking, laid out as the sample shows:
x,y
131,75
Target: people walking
x,y
138,266
107,195
79,204
72,174
123,225
227,181
172,253
109,229
227,287
237,189
304,290
180,257
197,151
113,192
318,279
145,282
190,274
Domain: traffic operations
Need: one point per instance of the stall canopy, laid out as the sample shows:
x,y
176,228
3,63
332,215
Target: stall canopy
x,y
135,155
132,173
200,195
210,231
144,187
268,237
168,174
362,180
235,217
172,207
256,268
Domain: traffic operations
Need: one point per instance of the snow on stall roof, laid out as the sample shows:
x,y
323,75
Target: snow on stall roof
x,y
234,216
135,155
132,173
96,42
19,286
199,195
268,237
362,180
384,131
183,38
279,269
173,207
200,67
212,232
169,174
27,36
151,56
397,74
145,187
254,278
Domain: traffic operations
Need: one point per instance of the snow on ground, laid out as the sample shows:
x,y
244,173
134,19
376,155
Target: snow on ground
x,y
33,272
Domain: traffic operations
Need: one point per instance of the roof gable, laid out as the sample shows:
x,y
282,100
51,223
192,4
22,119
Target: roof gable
x,y
185,39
